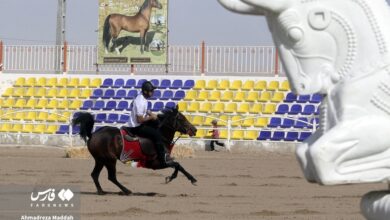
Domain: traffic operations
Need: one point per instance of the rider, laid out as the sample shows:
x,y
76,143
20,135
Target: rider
x,y
138,118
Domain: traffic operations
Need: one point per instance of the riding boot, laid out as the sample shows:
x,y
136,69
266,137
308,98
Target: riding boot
x,y
163,156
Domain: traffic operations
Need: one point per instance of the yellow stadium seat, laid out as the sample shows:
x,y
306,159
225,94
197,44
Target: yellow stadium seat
x,y
31,103
52,93
1,113
277,97
227,96
1,102
41,82
236,121
252,97
18,92
8,92
73,82
31,116
205,108
236,85
39,129
31,82
239,97
248,85
8,103
20,103
62,82
197,120
200,85
207,121
223,120
8,115
95,83
256,108
269,109
53,104
64,104
85,93
211,84
40,92
19,116
17,128
42,104
193,107
75,105
85,82
30,92
202,96
28,128
237,135
215,96
52,82
6,127
261,122
223,134
42,116
65,117
260,85
231,108
244,108
74,93
218,108
273,86
265,97
53,117
248,122
51,129
190,96
223,84
200,134
285,86
251,135
20,82
63,93
182,106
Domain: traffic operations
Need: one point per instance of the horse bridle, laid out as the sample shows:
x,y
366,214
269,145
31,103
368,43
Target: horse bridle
x,y
173,127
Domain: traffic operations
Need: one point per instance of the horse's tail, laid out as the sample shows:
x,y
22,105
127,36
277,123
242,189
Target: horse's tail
x,y
107,32
86,122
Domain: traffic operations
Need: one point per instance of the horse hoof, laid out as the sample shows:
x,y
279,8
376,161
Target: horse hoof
x,y
126,193
194,182
168,179
101,193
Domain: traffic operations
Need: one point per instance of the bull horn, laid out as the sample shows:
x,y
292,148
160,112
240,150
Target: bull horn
x,y
275,6
241,7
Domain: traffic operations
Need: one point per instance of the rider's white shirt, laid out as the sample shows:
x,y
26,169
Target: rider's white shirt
x,y
139,107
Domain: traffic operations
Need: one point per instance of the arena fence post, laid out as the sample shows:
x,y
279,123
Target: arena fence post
x,y
203,58
276,67
1,56
132,69
65,58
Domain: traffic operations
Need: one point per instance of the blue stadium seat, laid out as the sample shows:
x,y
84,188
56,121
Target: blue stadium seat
x,y
288,123
165,84
107,83
303,136
316,98
156,95
170,105
75,129
278,136
301,123
130,83
275,122
168,94
189,84
177,84
132,94
158,106
100,118
111,105
119,83
87,105
282,109
264,135
123,119
99,105
140,82
64,129
122,105
97,93
309,110
110,93
155,82
179,95
149,105
290,97
317,111
312,121
295,109
291,136
303,98
112,118
120,94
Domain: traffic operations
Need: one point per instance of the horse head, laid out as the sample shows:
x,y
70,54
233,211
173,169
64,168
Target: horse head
x,y
155,4
322,42
175,120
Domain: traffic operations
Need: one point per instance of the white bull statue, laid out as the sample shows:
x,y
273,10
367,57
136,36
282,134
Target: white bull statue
x,y
340,49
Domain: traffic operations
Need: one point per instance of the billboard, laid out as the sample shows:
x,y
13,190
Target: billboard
x,y
133,32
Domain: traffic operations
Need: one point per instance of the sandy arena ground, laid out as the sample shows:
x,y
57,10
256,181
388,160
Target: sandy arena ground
x,y
230,186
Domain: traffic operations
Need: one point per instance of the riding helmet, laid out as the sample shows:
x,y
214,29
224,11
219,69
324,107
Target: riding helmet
x,y
147,87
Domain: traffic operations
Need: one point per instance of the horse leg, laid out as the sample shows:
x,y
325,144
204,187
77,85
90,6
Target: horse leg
x,y
111,168
95,176
182,170
142,36
169,179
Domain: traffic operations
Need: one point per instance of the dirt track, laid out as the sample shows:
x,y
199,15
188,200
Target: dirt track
x,y
231,186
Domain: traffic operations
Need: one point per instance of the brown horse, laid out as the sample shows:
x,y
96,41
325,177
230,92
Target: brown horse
x,y
105,145
138,23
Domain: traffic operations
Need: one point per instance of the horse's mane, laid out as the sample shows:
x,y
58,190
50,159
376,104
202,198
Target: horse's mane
x,y
144,5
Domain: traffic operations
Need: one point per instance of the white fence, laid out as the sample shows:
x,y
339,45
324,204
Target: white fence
x,y
229,60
